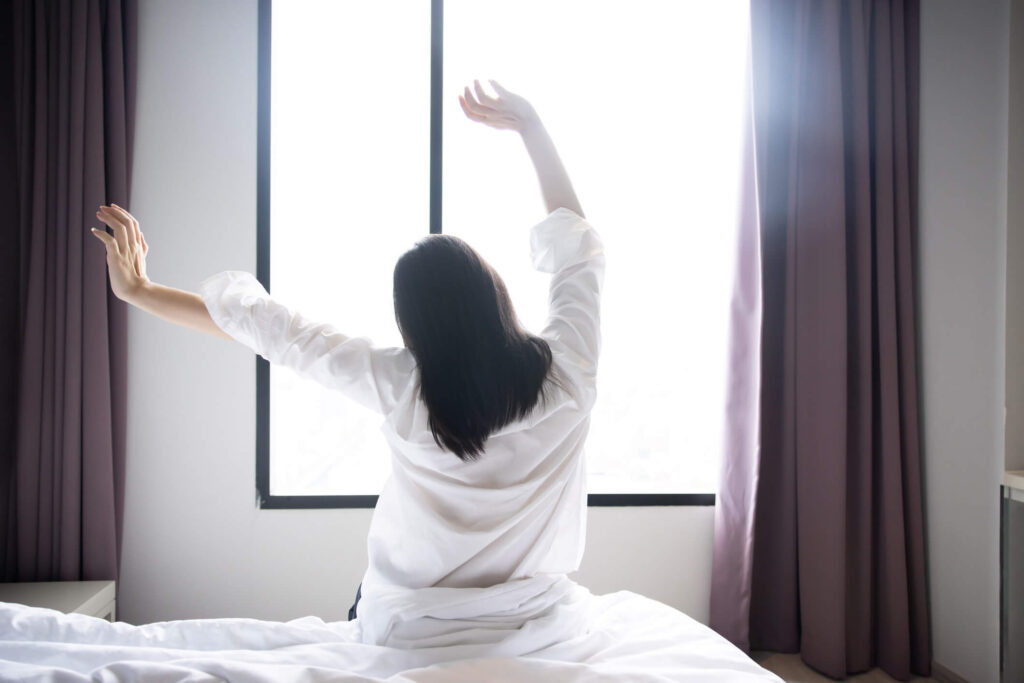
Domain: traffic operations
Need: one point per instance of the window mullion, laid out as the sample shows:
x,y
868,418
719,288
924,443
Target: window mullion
x,y
436,83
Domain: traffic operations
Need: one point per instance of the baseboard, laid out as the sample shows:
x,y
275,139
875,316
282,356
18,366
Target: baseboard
x,y
944,675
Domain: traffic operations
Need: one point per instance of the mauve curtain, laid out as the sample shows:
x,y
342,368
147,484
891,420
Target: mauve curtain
x,y
737,494
68,118
837,565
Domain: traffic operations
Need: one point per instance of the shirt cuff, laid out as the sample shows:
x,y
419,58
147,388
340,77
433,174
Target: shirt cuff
x,y
563,239
230,297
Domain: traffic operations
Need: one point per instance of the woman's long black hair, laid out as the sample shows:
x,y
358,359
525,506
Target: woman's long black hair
x,y
479,370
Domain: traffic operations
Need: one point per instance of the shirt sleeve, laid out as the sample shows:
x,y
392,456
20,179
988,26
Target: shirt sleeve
x,y
372,376
565,245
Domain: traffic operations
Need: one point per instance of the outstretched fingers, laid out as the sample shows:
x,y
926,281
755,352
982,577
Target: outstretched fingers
x,y
119,228
468,109
108,240
128,220
484,113
476,105
482,96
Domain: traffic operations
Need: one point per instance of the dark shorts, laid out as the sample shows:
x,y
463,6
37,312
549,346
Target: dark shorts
x,y
352,609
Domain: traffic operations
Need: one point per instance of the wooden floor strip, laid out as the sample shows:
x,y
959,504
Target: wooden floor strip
x,y
790,668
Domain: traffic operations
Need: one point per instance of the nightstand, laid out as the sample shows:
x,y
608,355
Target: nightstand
x,y
95,598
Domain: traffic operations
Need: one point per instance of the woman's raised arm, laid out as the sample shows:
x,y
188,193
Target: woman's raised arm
x,y
509,111
126,263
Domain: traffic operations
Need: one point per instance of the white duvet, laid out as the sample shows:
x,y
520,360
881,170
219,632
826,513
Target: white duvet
x,y
582,637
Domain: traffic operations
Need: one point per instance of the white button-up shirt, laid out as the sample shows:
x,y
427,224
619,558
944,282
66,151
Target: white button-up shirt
x,y
507,526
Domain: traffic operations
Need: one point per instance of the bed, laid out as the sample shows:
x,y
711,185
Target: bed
x,y
616,637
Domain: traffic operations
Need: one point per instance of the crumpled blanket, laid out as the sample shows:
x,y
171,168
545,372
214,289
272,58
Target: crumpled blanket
x,y
580,637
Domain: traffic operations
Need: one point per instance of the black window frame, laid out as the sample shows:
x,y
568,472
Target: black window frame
x,y
265,499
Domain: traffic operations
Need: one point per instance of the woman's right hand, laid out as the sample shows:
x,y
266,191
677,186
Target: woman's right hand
x,y
126,251
508,111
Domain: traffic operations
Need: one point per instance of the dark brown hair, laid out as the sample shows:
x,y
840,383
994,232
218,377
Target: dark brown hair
x,y
479,370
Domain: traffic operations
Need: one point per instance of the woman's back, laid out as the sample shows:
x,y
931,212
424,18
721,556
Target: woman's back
x,y
517,511
520,508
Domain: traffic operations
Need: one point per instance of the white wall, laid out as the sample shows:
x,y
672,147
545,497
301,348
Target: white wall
x,y
1015,246
195,544
964,47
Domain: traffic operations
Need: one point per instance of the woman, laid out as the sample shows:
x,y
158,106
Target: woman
x,y
485,511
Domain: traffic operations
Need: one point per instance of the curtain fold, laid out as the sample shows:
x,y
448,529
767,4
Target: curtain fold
x,y
10,295
737,492
72,93
837,562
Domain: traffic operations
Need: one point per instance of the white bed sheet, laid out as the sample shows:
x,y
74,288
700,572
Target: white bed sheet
x,y
619,637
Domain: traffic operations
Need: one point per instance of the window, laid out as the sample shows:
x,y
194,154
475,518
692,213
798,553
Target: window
x,y
644,101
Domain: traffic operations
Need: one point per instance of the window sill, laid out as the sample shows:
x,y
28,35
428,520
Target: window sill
x,y
593,500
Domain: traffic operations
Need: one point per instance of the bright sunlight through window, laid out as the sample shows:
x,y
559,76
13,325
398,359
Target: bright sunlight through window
x,y
644,101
